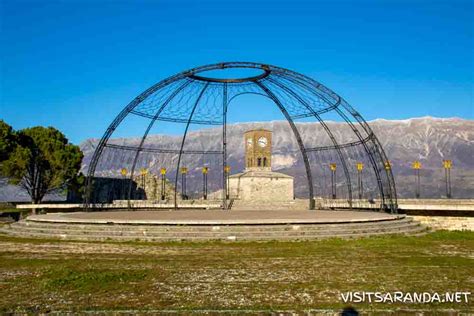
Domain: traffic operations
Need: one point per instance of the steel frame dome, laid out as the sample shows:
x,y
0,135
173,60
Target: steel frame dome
x,y
192,98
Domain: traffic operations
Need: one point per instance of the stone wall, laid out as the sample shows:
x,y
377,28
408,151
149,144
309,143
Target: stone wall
x,y
262,188
446,222
150,184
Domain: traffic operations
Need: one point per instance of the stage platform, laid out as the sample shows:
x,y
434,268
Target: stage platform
x,y
214,217
212,225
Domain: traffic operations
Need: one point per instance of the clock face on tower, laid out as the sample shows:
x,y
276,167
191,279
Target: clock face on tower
x,y
258,149
249,142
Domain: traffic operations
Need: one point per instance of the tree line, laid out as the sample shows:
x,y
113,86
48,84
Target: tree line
x,y
40,160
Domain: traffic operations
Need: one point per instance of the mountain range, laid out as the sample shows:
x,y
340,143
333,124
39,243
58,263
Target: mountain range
x,y
427,139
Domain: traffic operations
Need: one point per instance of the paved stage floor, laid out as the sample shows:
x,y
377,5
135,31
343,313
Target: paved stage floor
x,y
215,217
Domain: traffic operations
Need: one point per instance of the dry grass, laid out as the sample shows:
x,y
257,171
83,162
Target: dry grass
x,y
50,275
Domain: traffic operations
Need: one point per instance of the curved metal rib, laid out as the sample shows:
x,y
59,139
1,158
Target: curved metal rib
x,y
328,132
247,92
164,150
224,145
298,139
392,193
371,158
157,114
175,120
182,145
383,194
118,119
352,144
392,197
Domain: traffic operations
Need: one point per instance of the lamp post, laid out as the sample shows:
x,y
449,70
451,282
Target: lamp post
x,y
163,183
360,167
227,172
205,171
447,164
417,166
143,173
333,166
123,172
184,171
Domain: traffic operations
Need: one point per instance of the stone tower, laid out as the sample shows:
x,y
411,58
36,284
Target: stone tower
x,y
258,183
258,150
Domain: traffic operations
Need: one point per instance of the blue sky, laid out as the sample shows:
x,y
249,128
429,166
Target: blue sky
x,y
75,64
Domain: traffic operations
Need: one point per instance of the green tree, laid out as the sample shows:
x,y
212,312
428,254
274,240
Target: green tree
x,y
7,140
76,188
42,161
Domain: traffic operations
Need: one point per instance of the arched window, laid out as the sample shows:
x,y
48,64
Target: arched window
x,y
259,162
264,161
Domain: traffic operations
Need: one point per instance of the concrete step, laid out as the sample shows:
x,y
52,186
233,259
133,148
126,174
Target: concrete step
x,y
213,232
41,221
246,232
190,228
411,231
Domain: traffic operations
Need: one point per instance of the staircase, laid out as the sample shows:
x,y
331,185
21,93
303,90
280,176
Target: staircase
x,y
123,232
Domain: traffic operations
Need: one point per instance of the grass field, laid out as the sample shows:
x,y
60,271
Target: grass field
x,y
50,275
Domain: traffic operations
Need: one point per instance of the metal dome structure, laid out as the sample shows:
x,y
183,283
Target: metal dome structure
x,y
194,99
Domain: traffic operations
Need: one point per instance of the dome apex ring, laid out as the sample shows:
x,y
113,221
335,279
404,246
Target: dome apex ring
x,y
265,72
